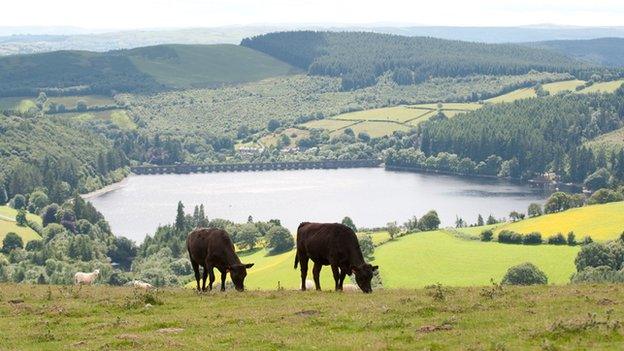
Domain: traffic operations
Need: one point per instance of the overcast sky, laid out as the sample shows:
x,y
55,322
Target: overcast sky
x,y
127,14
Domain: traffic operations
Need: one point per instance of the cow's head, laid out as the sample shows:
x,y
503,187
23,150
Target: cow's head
x,y
238,272
364,275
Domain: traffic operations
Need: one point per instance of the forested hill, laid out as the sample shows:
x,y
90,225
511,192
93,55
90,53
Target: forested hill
x,y
602,51
144,69
360,57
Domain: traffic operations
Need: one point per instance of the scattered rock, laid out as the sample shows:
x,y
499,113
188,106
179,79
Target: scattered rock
x,y
306,313
434,328
170,330
148,305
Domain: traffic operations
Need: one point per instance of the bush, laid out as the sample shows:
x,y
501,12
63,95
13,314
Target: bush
x,y
509,237
524,274
18,202
534,210
366,245
12,241
604,196
20,218
430,221
557,239
595,255
598,179
34,245
534,238
601,274
48,214
486,235
571,239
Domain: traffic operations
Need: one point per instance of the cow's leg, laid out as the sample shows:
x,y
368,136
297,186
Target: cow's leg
x,y
316,271
336,273
343,274
204,276
212,278
223,276
196,270
303,261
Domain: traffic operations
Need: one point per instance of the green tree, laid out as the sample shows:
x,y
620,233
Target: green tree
x,y
604,196
19,202
273,125
4,198
37,201
20,218
491,220
393,229
486,235
534,210
180,221
12,241
430,221
247,236
595,255
349,223
366,245
279,240
48,214
525,274
598,179
480,221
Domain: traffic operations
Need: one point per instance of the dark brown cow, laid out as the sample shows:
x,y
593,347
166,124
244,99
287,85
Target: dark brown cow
x,y
213,248
335,245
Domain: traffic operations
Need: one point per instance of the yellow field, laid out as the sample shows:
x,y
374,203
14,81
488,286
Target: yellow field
x,y
7,225
601,222
512,96
450,106
399,114
603,87
376,129
295,134
329,124
566,85
119,117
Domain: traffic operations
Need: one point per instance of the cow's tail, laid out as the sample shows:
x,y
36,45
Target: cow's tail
x,y
296,260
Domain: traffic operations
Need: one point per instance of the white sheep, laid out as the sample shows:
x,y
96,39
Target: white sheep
x,y
350,288
141,285
86,278
309,285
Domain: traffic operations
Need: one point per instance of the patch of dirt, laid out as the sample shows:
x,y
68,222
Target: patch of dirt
x,y
129,336
307,313
605,302
434,328
16,301
170,330
79,343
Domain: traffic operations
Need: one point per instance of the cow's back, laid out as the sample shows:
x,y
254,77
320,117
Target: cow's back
x,y
202,243
321,241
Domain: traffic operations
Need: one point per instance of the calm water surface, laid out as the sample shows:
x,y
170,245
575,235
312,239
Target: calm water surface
x,y
371,196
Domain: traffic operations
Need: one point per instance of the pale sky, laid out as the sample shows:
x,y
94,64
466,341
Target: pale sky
x,y
131,14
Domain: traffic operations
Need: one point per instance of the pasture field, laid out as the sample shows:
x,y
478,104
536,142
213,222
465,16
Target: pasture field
x,y
118,117
612,141
295,134
523,93
329,124
476,231
90,100
16,103
603,87
565,85
601,222
376,129
579,317
7,225
400,114
422,259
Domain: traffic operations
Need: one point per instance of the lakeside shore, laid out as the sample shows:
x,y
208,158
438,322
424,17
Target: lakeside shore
x,y
106,189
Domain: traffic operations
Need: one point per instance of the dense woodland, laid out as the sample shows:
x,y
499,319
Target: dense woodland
x,y
359,58
602,51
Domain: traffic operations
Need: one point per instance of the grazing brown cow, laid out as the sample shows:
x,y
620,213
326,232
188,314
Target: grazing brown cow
x,y
213,248
335,245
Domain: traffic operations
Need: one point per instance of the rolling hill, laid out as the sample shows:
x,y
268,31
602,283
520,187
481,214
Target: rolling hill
x,y
601,222
8,225
601,51
143,69
359,58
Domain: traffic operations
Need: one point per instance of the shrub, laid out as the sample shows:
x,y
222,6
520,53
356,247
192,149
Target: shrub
x,y
595,255
524,274
604,196
366,245
487,235
534,210
20,218
598,179
557,239
587,240
534,238
48,214
34,245
601,274
509,237
571,239
12,241
430,221
18,202
279,239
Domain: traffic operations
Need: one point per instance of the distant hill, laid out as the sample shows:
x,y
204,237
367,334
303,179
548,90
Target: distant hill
x,y
359,58
138,70
602,51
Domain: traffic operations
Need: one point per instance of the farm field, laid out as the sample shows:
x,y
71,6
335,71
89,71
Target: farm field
x,y
603,87
514,95
566,85
7,225
295,134
118,117
376,129
119,318
90,100
329,124
420,259
400,114
601,222
476,231
611,141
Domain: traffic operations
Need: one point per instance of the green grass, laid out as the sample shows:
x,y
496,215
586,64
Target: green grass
x,y
601,222
329,124
119,117
566,85
376,129
40,317
90,100
295,134
422,259
603,87
8,225
189,66
475,231
518,94
398,114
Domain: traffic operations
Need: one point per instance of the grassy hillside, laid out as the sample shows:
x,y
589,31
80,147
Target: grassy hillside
x,y
193,66
601,222
422,259
516,318
138,70
8,225
610,141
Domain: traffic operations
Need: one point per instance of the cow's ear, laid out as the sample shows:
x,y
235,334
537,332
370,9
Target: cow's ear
x,y
249,265
375,268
